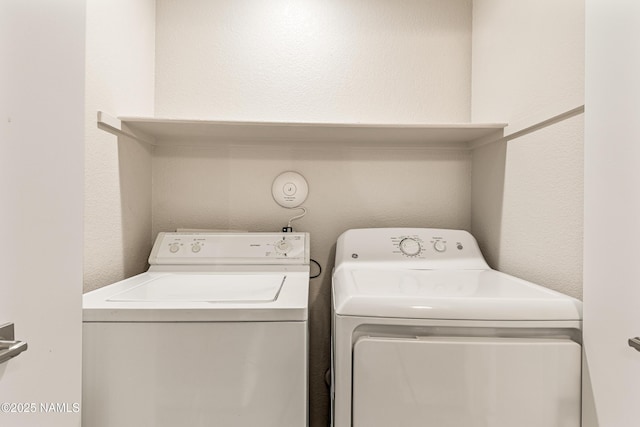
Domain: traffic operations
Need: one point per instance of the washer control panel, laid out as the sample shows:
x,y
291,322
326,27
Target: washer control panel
x,y
230,248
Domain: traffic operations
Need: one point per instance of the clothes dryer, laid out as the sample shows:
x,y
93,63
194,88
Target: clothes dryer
x,y
424,334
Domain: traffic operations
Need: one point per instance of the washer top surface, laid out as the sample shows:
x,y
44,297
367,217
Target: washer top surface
x,y
211,283
424,273
253,295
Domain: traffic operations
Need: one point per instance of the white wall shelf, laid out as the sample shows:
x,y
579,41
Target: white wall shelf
x,y
175,132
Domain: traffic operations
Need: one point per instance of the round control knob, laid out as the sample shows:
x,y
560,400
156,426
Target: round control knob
x,y
410,246
195,248
174,247
440,246
283,246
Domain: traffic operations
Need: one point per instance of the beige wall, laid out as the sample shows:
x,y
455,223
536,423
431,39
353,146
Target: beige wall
x,y
527,191
527,205
119,80
528,60
348,61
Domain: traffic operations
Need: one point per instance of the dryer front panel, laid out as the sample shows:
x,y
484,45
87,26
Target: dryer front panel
x,y
466,382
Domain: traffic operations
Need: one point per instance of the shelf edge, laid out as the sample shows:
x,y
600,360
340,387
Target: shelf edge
x,y
145,129
181,121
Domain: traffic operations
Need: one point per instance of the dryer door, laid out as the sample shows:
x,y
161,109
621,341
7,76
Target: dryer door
x,y
466,382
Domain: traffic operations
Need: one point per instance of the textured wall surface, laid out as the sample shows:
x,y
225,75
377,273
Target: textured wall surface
x,y
334,61
542,226
230,187
528,60
528,192
120,81
487,193
325,61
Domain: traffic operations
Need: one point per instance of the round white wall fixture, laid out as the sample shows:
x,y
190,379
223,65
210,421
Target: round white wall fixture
x,y
290,189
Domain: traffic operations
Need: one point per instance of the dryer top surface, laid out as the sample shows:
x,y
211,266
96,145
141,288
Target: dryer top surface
x,y
447,294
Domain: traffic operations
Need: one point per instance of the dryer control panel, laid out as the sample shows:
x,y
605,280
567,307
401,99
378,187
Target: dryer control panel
x,y
230,248
419,245
419,248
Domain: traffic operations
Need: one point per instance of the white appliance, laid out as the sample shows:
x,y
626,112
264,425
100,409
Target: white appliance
x,y
214,333
425,334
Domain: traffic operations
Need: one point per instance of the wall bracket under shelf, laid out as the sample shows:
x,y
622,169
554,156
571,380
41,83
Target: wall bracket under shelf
x,y
116,126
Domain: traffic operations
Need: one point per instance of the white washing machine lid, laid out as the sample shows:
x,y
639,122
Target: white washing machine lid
x,y
203,287
258,294
447,294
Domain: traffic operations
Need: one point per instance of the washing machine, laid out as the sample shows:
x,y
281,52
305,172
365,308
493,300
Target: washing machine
x,y
425,334
214,334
